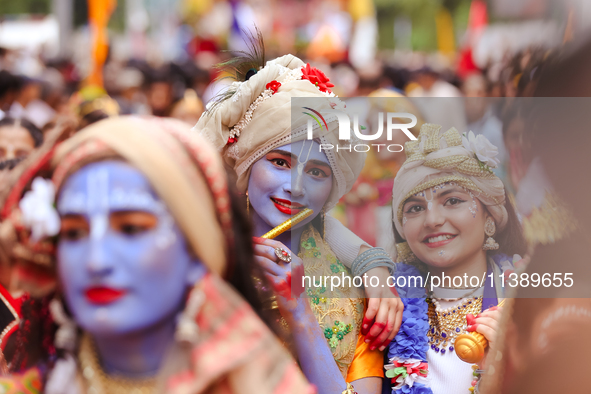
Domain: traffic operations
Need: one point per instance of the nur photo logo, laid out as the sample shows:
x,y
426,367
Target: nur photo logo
x,y
392,123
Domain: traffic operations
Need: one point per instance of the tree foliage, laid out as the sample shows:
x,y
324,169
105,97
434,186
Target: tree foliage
x,y
422,15
15,7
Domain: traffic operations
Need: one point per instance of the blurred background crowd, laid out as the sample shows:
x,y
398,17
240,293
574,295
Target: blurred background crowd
x,y
79,61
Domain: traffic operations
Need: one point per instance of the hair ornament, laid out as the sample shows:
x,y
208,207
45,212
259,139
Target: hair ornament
x,y
483,150
38,213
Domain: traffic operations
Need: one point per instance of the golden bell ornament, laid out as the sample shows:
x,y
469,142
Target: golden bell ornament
x,y
470,347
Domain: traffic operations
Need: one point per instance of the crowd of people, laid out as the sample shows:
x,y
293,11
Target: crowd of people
x,y
132,247
179,90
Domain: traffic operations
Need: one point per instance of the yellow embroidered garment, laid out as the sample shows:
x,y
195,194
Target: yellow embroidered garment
x,y
340,311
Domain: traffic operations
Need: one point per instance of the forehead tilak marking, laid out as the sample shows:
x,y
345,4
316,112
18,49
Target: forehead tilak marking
x,y
300,162
97,190
433,192
100,199
100,195
460,180
97,200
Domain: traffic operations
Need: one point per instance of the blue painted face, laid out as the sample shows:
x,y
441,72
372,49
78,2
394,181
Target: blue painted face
x,y
288,179
123,263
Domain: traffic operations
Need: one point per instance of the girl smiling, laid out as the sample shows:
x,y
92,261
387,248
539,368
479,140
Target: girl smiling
x,y
338,338
451,218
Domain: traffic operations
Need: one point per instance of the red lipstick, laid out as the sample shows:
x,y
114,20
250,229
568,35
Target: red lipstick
x,y
287,207
103,295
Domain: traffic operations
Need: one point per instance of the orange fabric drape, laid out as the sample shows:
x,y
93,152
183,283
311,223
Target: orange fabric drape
x,y
99,12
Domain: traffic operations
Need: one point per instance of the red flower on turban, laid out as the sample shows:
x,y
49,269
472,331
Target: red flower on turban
x,y
273,85
317,77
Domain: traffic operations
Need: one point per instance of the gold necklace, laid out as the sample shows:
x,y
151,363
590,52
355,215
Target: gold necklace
x,y
446,324
98,382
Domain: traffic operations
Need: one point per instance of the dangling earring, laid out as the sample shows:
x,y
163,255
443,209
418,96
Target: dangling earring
x,y
489,229
65,336
247,204
187,330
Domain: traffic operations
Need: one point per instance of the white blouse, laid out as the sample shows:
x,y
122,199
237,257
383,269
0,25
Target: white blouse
x,y
447,373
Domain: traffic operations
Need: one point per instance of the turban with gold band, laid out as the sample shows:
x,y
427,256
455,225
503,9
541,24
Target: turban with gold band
x,y
438,157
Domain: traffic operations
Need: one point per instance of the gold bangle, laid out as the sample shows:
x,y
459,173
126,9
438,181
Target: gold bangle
x,y
350,389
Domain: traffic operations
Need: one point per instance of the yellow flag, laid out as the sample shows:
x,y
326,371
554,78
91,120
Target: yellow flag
x,y
445,32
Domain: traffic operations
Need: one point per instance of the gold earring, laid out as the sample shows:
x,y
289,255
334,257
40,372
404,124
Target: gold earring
x,y
247,204
489,229
405,253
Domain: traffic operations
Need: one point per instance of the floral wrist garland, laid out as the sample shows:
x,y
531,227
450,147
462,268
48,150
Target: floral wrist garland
x,y
407,353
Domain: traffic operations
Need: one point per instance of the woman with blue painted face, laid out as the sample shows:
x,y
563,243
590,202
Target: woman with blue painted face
x,y
283,170
149,244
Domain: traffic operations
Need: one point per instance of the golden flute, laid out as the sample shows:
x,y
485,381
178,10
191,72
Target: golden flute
x,y
470,347
288,224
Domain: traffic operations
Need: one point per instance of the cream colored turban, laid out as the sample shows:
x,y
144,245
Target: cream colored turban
x,y
438,157
261,121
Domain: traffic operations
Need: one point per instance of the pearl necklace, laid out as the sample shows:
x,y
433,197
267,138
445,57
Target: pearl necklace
x,y
468,294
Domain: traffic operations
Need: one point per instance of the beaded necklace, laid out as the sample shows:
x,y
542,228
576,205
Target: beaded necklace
x,y
446,324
